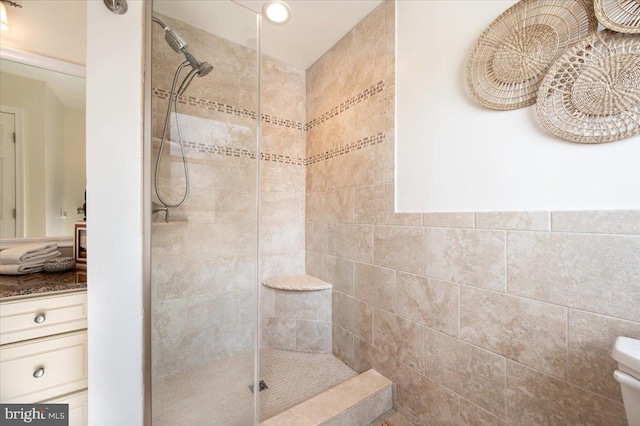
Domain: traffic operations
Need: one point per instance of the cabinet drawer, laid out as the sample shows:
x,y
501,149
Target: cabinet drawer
x,y
42,316
78,407
62,359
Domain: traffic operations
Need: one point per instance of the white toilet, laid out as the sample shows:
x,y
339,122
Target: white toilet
x,y
627,352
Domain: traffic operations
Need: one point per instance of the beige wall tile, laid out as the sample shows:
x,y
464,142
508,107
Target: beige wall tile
x,y
472,415
339,272
354,242
315,140
296,305
283,90
280,265
369,116
448,220
353,315
537,399
596,273
325,304
474,373
591,339
281,140
375,286
389,160
468,257
369,205
367,356
400,338
526,221
279,334
339,206
350,170
277,238
211,310
429,402
339,130
343,342
169,319
428,301
529,332
399,248
601,222
284,208
313,336
314,264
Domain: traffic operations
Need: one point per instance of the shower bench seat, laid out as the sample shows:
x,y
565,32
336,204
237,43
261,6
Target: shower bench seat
x,y
296,314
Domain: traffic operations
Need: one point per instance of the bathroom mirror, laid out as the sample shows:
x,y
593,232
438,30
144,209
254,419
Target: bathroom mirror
x,y
42,103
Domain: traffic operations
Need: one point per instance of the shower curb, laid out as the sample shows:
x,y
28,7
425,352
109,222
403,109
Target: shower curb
x,y
357,401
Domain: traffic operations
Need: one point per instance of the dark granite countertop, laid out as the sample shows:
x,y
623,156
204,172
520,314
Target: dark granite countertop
x,y
42,283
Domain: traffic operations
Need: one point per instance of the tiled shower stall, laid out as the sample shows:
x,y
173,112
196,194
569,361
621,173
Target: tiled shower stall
x,y
478,318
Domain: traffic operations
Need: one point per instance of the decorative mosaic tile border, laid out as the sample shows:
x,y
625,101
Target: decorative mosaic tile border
x,y
364,95
285,159
236,152
345,149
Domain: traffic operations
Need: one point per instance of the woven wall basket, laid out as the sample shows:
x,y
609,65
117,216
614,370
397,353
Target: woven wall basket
x,y
509,60
592,93
619,15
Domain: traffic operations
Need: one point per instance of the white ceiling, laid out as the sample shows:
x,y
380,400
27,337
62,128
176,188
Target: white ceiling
x,y
315,25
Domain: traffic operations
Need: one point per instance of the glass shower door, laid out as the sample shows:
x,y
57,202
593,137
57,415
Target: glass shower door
x,y
204,262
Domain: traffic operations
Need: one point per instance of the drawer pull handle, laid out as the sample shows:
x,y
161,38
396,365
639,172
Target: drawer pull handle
x,y
39,319
38,373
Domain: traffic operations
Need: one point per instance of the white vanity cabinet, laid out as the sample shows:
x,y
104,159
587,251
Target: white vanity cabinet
x,y
43,351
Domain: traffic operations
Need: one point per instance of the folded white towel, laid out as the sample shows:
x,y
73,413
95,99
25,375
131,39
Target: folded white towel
x,y
26,253
25,268
40,258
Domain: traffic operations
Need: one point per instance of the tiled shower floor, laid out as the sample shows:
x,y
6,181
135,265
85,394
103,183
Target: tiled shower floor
x,y
218,394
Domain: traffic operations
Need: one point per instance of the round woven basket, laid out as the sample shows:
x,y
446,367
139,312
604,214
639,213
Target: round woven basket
x,y
619,15
512,55
592,93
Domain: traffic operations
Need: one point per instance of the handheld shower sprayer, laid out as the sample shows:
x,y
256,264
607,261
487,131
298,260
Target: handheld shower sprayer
x,y
179,45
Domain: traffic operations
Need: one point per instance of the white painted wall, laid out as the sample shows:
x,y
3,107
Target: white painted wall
x,y
454,155
114,223
50,28
75,152
54,162
28,95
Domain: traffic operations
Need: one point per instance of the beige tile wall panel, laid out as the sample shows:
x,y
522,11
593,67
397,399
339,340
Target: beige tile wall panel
x,y
597,222
367,356
591,338
448,220
474,373
431,403
400,247
529,332
472,415
534,398
62,313
468,257
375,286
78,407
400,338
525,221
428,301
596,273
63,358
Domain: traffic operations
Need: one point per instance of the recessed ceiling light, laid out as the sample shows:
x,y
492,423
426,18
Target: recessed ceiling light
x,y
276,11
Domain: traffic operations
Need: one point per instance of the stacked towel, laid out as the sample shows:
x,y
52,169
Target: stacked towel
x,y
26,259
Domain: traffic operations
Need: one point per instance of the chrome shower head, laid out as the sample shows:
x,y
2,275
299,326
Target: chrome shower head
x,y
179,45
203,69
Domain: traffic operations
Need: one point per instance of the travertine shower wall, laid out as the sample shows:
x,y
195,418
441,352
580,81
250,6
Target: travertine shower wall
x,y
479,318
205,259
